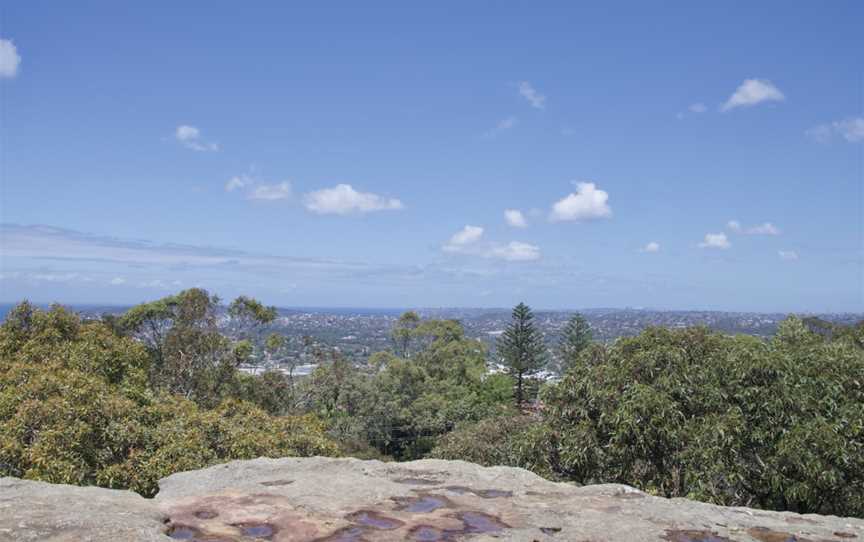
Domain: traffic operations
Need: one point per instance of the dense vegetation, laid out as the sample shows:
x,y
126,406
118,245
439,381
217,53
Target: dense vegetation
x,y
733,420
775,424
80,404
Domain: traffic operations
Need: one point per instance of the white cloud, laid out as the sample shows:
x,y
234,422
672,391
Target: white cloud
x,y
697,108
715,240
515,218
514,251
270,192
117,281
238,181
766,228
467,241
503,125
527,91
787,255
652,246
9,59
342,199
586,203
190,137
463,238
752,92
851,129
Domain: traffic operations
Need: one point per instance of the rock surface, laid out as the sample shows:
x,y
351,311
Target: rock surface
x,y
322,499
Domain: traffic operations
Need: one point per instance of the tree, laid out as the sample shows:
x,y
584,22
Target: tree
x,y
75,408
403,333
191,357
247,314
575,337
522,349
736,421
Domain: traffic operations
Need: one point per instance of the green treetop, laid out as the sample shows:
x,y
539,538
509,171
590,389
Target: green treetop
x,y
574,339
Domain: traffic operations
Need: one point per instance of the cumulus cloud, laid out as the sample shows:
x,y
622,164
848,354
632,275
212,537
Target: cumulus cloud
x,y
514,251
190,137
651,247
9,59
342,199
766,228
270,192
752,92
587,203
527,91
468,235
468,241
515,218
238,181
851,129
715,240
787,255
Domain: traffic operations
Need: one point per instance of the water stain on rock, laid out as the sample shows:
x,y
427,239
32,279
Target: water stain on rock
x,y
422,504
427,533
256,530
275,483
183,532
764,534
205,514
472,523
693,535
484,493
493,493
480,523
374,520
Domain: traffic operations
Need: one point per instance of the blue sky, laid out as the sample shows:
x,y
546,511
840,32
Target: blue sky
x,y
366,154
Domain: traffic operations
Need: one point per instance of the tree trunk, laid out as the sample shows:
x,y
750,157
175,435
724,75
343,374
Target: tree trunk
x,y
519,389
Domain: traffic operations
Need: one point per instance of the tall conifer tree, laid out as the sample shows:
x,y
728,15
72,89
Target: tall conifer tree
x,y
522,349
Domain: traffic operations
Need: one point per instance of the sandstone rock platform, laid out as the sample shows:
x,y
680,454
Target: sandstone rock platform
x,y
349,500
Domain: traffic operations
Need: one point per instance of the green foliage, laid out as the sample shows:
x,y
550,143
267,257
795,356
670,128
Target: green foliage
x,y
730,420
575,338
522,349
776,424
515,441
190,356
75,407
400,405
403,333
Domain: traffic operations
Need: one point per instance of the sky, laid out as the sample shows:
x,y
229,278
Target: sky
x,y
673,155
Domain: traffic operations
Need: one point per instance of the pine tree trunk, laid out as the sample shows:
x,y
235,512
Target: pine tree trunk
x,y
519,390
